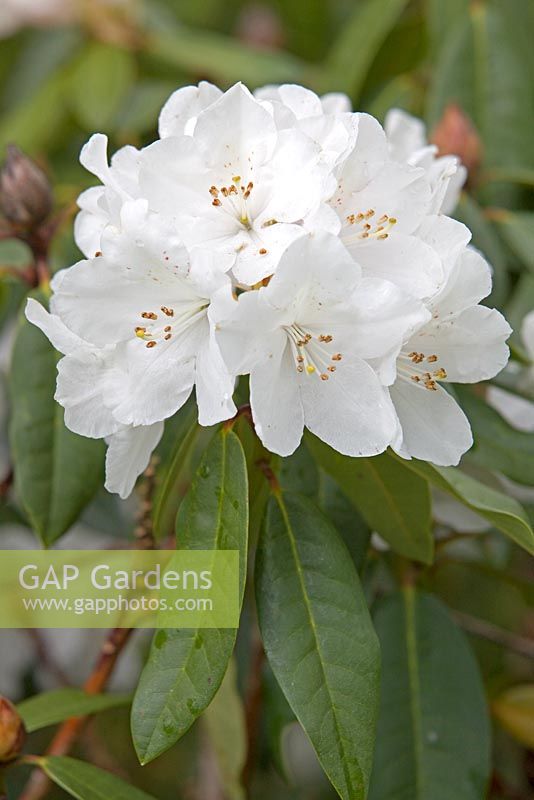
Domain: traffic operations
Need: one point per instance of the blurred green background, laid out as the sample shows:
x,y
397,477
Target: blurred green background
x,y
112,68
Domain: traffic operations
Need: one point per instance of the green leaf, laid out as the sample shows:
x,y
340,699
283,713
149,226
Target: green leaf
x,y
224,59
172,474
225,723
517,229
38,123
497,446
348,522
319,639
86,782
57,472
278,717
487,240
352,54
485,61
141,106
393,503
434,737
52,707
186,667
505,513
99,84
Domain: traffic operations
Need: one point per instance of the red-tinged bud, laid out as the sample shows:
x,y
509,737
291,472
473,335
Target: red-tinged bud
x,y
12,732
25,192
261,27
456,135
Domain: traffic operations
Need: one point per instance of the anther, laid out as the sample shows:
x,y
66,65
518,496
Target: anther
x,y
337,357
151,344
262,251
167,336
168,311
324,376
149,315
167,328
432,359
216,202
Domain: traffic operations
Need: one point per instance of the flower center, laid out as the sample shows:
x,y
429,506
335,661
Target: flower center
x,y
366,225
310,354
165,324
414,367
232,200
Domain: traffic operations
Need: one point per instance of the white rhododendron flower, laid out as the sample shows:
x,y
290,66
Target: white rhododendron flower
x,y
306,340
463,342
237,184
280,236
408,144
135,331
518,411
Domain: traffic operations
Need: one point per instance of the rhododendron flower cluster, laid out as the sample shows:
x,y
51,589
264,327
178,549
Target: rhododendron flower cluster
x,y
281,236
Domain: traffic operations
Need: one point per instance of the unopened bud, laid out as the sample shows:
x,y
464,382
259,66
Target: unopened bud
x,y
25,193
456,135
12,731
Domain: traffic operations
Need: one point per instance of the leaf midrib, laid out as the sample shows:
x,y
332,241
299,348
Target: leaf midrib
x,y
415,689
294,550
183,669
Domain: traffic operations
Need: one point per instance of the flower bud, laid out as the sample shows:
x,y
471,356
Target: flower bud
x,y
25,193
12,731
456,135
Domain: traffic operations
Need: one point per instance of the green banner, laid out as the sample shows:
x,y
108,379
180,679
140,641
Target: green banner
x,y
119,588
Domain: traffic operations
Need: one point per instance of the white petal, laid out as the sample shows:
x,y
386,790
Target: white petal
x,y
302,102
276,407
527,333
336,103
351,411
404,260
236,130
434,426
247,330
468,282
517,411
406,134
86,390
383,318
471,346
128,456
52,326
214,386
94,156
184,106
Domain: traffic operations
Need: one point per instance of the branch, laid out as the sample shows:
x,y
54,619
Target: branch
x,y
487,630
65,738
253,701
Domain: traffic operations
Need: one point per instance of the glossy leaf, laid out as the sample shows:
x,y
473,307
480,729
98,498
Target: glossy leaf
x,y
318,638
172,473
348,62
433,737
498,446
517,228
225,723
224,60
56,472
54,706
85,782
99,84
514,709
392,502
504,513
485,60
186,667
